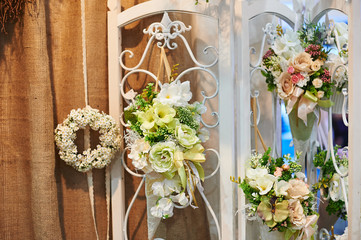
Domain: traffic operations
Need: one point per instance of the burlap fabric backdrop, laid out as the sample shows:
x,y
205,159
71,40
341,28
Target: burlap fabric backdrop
x,y
41,81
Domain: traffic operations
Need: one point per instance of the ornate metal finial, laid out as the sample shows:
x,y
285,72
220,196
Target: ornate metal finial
x,y
166,30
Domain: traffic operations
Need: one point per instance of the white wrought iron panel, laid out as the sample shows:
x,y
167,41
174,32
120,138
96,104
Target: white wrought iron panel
x,y
225,117
250,10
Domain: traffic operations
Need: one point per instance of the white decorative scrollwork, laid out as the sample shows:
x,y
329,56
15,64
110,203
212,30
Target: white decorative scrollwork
x,y
164,32
167,30
268,30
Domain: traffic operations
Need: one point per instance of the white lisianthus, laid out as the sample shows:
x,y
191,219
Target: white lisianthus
x,y
264,183
333,61
186,136
342,33
171,186
158,189
175,94
203,134
281,188
180,198
161,156
163,208
288,45
253,174
137,153
335,189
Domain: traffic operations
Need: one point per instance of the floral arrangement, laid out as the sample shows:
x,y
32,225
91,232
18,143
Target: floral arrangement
x,y
165,142
330,182
298,67
278,195
337,63
109,138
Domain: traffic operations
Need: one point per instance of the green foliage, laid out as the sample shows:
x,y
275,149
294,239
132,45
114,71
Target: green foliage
x,y
279,162
286,175
161,134
312,34
248,190
328,170
185,116
337,208
270,80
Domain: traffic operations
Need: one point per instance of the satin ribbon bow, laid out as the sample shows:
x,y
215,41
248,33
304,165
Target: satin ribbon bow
x,y
307,103
194,154
309,229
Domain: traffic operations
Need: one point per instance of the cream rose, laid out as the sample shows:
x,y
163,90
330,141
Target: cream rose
x,y
298,189
316,65
317,82
302,62
297,216
320,94
285,86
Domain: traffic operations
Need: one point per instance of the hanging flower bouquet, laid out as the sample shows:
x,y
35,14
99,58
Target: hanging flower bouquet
x,y
165,142
296,70
330,182
279,197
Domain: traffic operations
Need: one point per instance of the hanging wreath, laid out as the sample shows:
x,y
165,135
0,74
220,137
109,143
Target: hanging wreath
x,y
109,138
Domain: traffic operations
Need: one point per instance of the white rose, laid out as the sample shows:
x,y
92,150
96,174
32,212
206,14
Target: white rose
x,y
317,83
281,188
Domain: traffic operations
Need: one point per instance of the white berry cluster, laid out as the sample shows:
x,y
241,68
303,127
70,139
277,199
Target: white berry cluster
x,y
109,140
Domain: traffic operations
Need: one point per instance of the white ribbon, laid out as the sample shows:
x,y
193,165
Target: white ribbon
x,y
87,135
298,7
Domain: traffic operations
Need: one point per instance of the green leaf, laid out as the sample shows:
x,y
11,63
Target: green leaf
x,y
199,169
183,176
289,232
129,116
169,175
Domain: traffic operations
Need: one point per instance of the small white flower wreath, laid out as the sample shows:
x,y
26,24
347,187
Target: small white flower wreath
x,y
109,138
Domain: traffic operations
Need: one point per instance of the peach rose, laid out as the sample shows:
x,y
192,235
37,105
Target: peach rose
x,y
278,172
297,216
298,189
316,65
302,62
285,86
